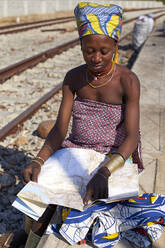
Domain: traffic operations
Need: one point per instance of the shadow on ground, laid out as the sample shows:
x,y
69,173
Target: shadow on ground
x,y
12,162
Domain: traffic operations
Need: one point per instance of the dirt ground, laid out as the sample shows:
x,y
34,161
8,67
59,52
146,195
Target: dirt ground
x,y
35,17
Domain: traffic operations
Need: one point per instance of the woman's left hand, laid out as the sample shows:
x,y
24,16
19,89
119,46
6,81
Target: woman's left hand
x,y
97,188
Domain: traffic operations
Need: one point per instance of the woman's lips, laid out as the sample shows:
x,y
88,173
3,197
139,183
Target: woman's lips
x,y
96,67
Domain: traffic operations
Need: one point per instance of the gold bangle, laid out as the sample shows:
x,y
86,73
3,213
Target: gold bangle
x,y
37,162
116,162
40,159
50,149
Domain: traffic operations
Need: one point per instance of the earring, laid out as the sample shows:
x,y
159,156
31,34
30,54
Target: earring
x,y
113,56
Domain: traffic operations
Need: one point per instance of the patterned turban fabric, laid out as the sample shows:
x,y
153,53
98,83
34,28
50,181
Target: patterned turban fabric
x,y
101,19
98,19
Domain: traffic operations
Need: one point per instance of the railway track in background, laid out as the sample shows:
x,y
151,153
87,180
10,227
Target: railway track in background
x,y
11,70
8,72
22,27
59,64
36,22
64,18
10,29
19,47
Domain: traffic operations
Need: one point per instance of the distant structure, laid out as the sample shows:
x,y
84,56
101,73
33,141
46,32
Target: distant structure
x,y
26,7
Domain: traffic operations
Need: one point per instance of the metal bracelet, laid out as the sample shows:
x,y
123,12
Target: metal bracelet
x,y
116,161
37,162
120,155
40,159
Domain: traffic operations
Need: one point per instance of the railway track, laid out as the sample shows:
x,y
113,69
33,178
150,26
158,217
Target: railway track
x,y
35,80
32,61
22,27
18,46
36,22
33,25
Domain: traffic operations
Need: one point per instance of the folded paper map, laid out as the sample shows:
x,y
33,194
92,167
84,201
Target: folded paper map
x,y
63,179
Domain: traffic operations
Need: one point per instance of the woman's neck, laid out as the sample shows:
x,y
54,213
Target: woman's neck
x,y
103,73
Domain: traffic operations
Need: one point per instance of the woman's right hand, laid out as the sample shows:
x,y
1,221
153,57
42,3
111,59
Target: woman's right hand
x,y
31,172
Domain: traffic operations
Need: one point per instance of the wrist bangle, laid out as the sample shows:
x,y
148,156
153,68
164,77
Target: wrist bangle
x,y
40,159
37,162
116,162
120,155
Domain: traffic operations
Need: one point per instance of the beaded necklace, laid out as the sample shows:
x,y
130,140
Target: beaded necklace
x,y
113,69
99,75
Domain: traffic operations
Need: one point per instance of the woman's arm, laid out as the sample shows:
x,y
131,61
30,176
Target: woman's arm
x,y
98,185
131,93
131,88
55,136
59,131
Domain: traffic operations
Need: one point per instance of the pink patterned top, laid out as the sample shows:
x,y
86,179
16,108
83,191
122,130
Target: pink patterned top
x,y
99,126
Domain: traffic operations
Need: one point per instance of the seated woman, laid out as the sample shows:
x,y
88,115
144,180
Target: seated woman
x,y
103,98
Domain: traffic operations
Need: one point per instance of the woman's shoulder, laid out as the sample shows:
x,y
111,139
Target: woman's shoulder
x,y
75,77
77,71
127,77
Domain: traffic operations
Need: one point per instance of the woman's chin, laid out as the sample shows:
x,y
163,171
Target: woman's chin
x,y
96,69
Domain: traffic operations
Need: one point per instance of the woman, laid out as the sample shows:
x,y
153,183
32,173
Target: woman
x,y
104,99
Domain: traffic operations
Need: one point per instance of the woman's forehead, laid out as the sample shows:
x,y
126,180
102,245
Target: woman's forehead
x,y
97,39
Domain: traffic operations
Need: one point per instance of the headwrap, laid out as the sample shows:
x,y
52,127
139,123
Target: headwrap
x,y
103,19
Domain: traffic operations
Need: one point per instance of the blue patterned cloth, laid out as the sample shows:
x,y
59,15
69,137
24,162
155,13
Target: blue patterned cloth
x,y
139,220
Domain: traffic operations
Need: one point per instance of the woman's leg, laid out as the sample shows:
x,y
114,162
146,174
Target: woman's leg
x,y
28,224
39,227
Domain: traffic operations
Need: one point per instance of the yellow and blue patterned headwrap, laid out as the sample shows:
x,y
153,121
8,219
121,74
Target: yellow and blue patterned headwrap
x,y
103,19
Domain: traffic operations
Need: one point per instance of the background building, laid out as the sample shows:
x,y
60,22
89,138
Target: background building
x,y
26,7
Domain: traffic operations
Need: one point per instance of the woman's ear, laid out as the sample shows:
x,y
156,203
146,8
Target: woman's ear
x,y
115,47
115,57
81,44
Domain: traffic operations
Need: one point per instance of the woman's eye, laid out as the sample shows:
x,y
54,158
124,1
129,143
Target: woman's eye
x,y
104,52
89,51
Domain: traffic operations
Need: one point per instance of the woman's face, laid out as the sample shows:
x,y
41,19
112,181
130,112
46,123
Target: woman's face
x,y
97,51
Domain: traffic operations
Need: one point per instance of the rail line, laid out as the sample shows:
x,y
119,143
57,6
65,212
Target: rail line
x,y
42,23
134,9
6,73
12,126
37,26
11,70
35,22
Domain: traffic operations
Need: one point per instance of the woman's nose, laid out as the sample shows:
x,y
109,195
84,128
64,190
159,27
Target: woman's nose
x,y
96,58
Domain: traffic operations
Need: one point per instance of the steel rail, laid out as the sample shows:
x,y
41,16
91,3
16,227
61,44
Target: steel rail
x,y
134,9
13,125
63,18
11,70
134,18
34,27
54,29
157,17
35,22
49,22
